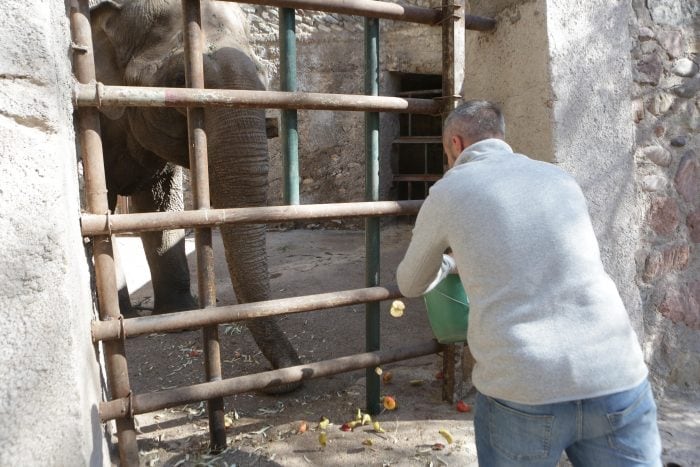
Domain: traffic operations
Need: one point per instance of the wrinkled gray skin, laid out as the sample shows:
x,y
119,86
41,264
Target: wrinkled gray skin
x,y
140,43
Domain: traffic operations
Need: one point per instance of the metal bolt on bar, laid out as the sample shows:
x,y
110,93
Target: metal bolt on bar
x,y
206,283
144,403
99,95
96,189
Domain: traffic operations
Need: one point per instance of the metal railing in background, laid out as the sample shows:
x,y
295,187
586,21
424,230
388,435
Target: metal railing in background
x,y
112,329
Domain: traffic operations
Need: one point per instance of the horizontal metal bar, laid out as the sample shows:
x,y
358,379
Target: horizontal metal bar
x,y
366,8
376,9
144,403
99,95
116,329
102,224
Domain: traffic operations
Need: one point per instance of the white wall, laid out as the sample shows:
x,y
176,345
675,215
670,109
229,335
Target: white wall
x,y
49,377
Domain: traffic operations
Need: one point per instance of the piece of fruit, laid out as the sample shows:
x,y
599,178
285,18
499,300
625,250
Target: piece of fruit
x,y
378,371
323,439
349,426
438,447
389,402
397,308
447,435
358,416
366,419
367,442
463,407
378,428
228,421
387,377
323,424
303,426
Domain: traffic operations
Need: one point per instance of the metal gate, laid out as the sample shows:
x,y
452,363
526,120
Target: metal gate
x,y
112,328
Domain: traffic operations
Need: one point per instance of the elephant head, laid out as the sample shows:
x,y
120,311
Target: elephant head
x,y
140,43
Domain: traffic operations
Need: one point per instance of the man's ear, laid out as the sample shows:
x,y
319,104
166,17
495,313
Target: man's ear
x,y
457,143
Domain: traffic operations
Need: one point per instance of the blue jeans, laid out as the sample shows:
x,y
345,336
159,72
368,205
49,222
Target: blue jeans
x,y
615,430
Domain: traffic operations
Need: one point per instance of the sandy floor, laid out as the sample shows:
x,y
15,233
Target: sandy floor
x,y
264,430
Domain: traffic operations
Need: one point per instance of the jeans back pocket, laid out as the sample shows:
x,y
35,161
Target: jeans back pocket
x,y
518,435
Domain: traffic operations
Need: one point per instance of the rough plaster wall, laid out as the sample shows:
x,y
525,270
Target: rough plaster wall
x,y
510,66
49,383
593,133
667,116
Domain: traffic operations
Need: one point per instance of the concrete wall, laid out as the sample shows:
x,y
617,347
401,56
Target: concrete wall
x,y
49,383
511,66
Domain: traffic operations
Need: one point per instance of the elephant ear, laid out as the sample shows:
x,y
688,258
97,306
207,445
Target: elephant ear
x,y
103,17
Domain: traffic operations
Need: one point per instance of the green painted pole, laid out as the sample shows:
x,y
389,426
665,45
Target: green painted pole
x,y
288,82
372,321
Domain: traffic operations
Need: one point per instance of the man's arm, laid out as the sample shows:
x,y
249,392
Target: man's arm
x,y
423,266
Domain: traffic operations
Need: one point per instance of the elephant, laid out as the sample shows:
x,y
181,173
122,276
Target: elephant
x,y
140,43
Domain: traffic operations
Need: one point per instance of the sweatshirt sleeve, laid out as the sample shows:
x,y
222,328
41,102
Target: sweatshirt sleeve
x,y
424,265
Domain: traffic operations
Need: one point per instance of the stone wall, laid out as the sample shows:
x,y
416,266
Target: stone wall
x,y
667,157
50,380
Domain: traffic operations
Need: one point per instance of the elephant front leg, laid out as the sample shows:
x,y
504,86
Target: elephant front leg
x,y
165,251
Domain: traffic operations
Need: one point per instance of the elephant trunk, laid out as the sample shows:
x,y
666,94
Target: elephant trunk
x,y
238,172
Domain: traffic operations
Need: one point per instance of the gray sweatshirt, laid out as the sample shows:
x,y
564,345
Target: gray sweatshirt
x,y
546,322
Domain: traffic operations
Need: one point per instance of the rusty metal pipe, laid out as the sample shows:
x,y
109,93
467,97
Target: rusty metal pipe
x,y
96,190
109,330
376,9
144,403
366,8
99,95
199,169
93,224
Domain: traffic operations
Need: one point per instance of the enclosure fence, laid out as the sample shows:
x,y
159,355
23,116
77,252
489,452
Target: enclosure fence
x,y
112,328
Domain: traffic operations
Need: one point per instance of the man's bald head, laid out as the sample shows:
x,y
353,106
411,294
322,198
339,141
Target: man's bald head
x,y
475,120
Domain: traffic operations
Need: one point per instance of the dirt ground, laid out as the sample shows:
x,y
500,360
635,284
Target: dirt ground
x,y
264,430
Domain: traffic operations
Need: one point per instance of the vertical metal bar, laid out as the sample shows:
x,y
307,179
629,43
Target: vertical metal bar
x,y
96,188
372,321
199,169
288,82
453,62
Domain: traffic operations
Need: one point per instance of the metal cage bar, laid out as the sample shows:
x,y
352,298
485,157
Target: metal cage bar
x,y
377,9
372,238
93,224
99,95
149,402
199,170
132,327
453,63
288,83
97,203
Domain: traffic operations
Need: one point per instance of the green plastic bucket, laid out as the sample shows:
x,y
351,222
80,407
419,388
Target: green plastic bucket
x,y
448,310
